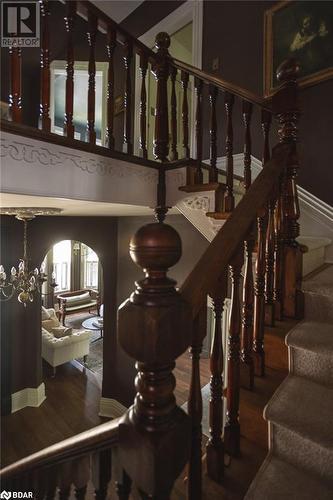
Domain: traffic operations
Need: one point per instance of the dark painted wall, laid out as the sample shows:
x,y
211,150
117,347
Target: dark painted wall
x,y
234,32
20,327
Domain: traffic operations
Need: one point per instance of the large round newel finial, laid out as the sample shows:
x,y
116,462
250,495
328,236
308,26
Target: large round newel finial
x,y
156,247
288,70
162,41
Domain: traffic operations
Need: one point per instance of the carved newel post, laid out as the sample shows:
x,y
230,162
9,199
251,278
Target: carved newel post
x,y
154,328
160,70
287,112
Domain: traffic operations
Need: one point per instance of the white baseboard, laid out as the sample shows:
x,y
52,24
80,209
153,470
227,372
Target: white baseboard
x,y
111,408
30,396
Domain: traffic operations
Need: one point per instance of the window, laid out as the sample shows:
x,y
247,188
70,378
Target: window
x,y
62,265
89,263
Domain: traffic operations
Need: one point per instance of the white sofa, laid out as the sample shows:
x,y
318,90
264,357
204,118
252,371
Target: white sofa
x,y
57,351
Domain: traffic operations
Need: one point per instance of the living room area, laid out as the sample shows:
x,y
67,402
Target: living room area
x,y
72,310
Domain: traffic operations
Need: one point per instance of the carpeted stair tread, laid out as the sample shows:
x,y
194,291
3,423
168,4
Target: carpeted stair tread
x,y
304,407
279,480
321,283
312,336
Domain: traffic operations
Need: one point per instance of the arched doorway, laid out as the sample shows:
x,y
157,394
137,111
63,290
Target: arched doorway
x,y
72,313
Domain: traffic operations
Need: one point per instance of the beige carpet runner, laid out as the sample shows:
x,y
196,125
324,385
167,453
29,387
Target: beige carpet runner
x,y
299,465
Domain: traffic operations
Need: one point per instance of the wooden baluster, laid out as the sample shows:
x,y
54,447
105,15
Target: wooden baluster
x,y
232,427
123,486
229,200
173,105
161,209
215,446
259,298
143,105
213,93
278,252
15,96
286,109
266,118
198,176
69,104
111,43
185,80
92,33
44,106
80,476
246,369
155,430
161,72
195,406
128,55
101,473
247,115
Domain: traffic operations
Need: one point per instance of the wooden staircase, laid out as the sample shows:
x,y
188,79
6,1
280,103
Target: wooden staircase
x,y
155,439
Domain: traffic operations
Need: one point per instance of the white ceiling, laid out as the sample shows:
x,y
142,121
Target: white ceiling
x,y
118,10
73,207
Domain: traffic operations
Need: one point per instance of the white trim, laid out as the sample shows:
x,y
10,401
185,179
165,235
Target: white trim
x,y
30,396
190,11
111,408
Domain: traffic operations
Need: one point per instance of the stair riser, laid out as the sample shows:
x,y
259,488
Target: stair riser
x,y
301,452
314,366
318,307
313,260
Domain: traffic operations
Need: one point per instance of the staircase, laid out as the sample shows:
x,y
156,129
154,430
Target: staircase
x,y
247,221
300,459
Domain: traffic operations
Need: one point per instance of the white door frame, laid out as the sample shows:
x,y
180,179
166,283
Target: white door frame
x,y
190,11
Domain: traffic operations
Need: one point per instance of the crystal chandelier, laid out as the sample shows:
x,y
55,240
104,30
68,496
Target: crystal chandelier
x,y
23,281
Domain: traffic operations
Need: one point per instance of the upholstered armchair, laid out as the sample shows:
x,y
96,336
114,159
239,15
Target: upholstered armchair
x,y
59,344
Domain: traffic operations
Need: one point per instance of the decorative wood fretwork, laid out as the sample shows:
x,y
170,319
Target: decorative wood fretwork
x,y
128,55
69,100
195,406
143,105
15,96
173,106
229,200
215,446
198,177
232,427
111,43
44,106
92,33
161,71
213,93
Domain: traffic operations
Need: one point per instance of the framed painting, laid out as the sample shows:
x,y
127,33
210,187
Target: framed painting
x,y
303,30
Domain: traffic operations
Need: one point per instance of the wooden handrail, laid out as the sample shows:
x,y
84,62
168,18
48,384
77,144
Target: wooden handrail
x,y
204,277
94,440
223,84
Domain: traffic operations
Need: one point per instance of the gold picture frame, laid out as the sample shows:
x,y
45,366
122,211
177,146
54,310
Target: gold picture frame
x,y
306,33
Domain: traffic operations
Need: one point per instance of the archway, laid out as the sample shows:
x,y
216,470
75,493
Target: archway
x,y
72,311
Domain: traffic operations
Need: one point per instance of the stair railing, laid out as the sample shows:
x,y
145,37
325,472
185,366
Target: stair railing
x,y
155,438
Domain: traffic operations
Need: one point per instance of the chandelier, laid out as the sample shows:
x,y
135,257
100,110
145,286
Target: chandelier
x,y
24,282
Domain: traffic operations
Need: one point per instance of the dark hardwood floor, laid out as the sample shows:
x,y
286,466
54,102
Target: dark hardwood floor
x,y
72,406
